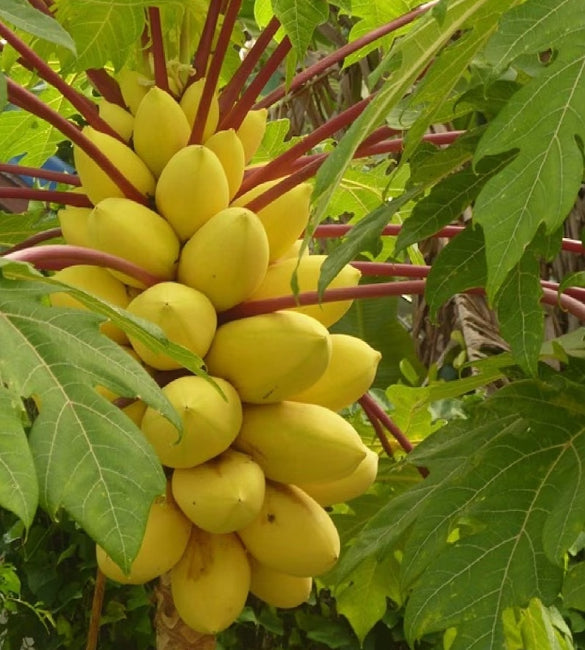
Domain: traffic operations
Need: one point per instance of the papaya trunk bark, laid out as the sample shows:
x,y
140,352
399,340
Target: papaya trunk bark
x,y
171,632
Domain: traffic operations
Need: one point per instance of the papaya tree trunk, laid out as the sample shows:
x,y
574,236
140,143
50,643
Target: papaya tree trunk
x,y
172,633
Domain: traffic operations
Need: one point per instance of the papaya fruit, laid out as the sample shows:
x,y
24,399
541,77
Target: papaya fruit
x,y
299,443
96,182
284,218
327,493
99,282
191,189
292,533
277,282
160,129
116,225
74,225
270,356
190,101
210,584
133,86
226,258
221,495
349,375
251,132
211,421
229,149
276,588
164,542
118,118
185,315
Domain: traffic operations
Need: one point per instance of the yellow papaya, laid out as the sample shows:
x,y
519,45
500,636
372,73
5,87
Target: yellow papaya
x,y
299,443
96,182
349,375
277,282
226,258
292,533
211,421
270,356
185,315
251,132
99,282
210,584
294,251
191,189
221,495
190,101
74,225
349,487
160,129
133,86
118,118
276,588
165,540
284,218
229,149
117,225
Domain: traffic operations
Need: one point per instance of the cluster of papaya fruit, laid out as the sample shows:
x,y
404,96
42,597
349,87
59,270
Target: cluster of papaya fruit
x,y
263,447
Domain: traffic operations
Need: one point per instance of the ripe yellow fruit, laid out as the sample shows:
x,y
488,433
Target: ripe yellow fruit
x,y
292,533
191,189
133,86
190,102
276,588
229,149
99,282
185,315
74,225
210,583
211,421
284,218
222,494
166,537
294,251
160,129
117,225
349,487
277,282
251,132
118,118
350,373
96,182
226,258
270,356
299,443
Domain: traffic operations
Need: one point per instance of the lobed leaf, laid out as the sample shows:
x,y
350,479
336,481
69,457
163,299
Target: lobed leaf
x,y
299,19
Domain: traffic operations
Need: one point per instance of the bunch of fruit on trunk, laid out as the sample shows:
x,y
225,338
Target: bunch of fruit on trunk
x,y
263,447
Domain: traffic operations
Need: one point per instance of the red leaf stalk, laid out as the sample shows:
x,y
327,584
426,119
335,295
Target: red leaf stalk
x,y
35,239
49,196
341,53
281,165
158,49
369,404
82,104
238,81
378,269
564,302
200,62
214,71
377,427
107,86
30,102
55,257
36,172
236,116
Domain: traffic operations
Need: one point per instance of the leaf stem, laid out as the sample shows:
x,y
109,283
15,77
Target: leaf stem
x,y
28,101
37,172
51,196
55,257
158,49
86,108
368,403
238,112
377,427
342,53
97,602
200,61
239,79
107,86
214,71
